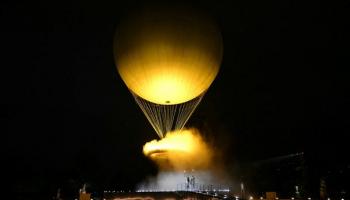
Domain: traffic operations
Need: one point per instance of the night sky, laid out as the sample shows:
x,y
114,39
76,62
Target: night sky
x,y
283,88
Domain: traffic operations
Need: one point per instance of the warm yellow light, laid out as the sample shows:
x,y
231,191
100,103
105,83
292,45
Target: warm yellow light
x,y
174,141
166,58
180,149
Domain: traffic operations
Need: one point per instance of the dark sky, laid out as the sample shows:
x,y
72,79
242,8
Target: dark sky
x,y
283,88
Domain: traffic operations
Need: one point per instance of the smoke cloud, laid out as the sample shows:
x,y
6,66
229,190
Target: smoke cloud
x,y
185,161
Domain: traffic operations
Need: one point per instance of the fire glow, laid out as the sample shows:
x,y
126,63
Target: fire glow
x,y
179,150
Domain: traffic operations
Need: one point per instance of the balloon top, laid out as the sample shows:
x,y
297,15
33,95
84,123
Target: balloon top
x,y
168,57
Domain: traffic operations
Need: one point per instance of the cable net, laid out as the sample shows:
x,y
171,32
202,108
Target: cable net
x,y
166,118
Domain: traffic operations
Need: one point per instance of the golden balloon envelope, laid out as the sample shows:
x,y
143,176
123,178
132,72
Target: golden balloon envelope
x,y
168,57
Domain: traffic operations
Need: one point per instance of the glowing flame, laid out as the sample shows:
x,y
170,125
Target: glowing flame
x,y
179,150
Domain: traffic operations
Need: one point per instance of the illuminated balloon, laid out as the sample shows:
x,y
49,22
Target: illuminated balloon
x,y
168,57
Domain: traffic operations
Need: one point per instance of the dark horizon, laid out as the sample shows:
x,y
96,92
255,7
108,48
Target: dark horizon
x,y
69,118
